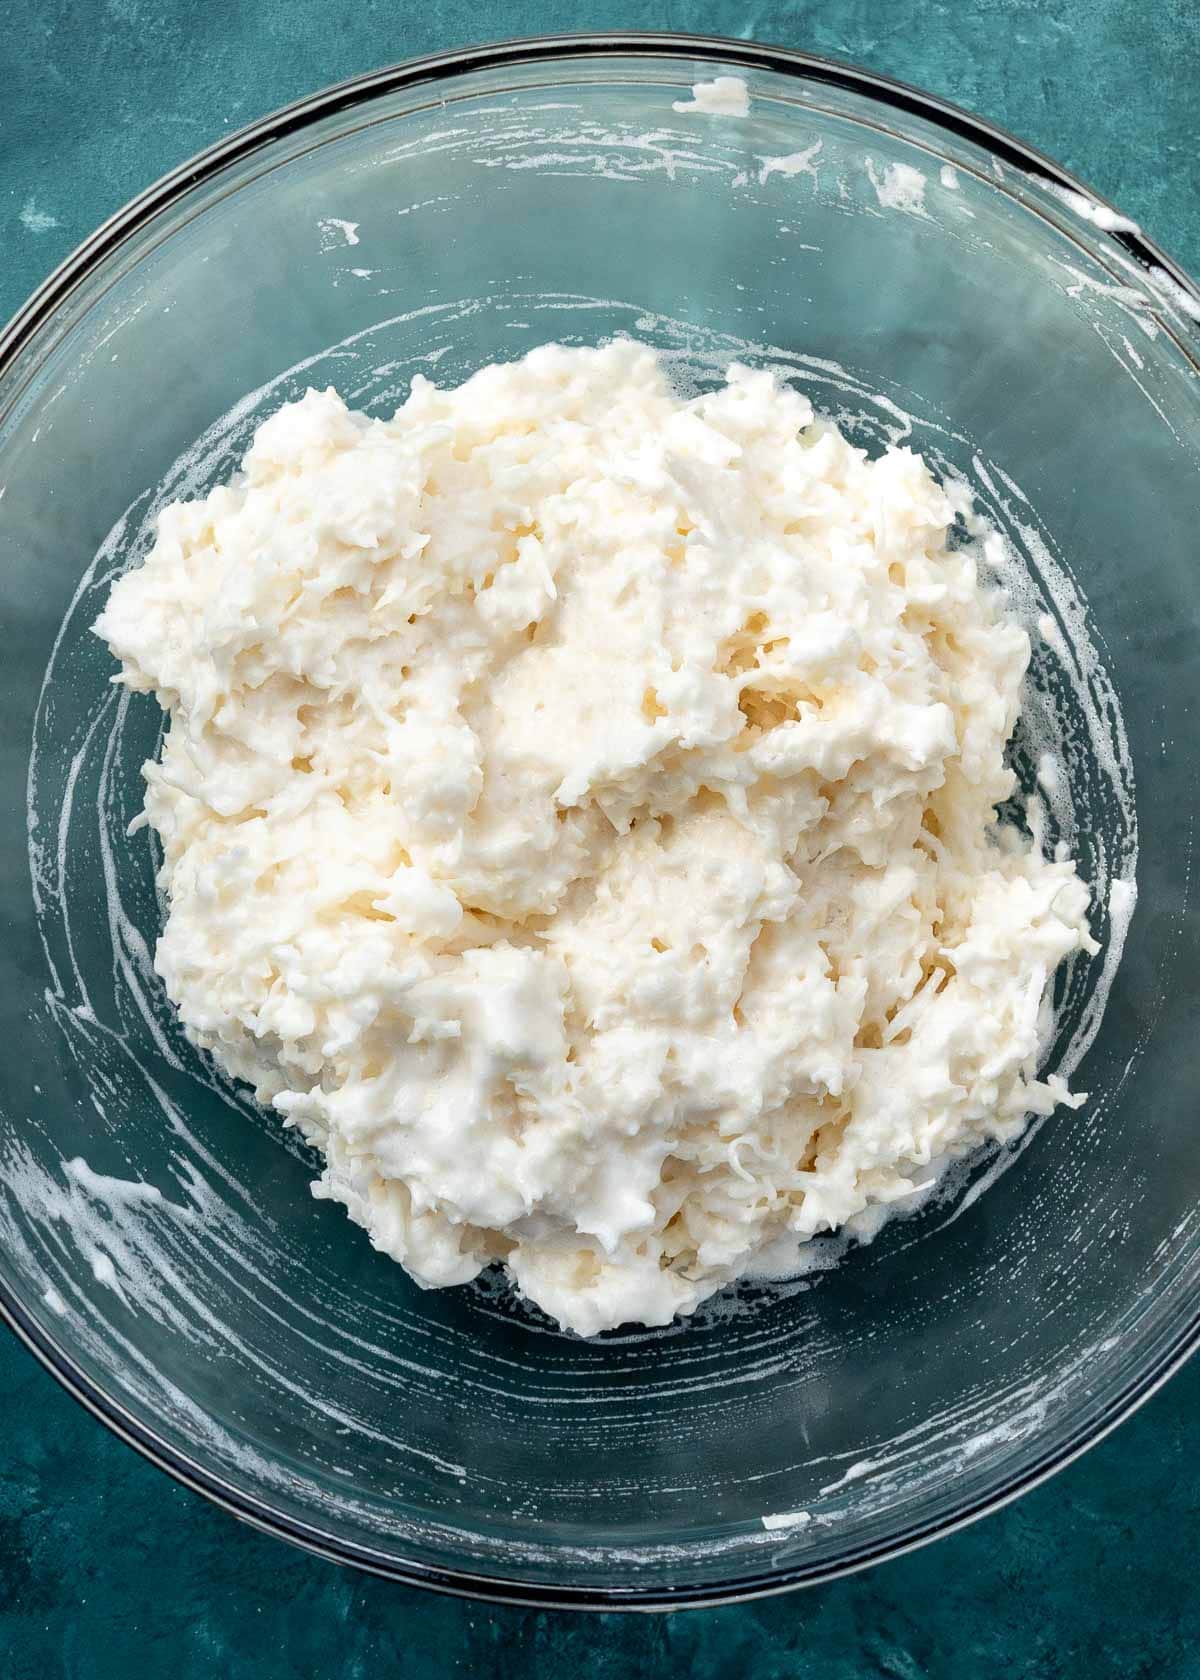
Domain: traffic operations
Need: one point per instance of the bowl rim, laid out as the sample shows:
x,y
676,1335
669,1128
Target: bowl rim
x,y
17,336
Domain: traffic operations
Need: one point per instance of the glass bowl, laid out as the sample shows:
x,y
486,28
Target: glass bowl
x,y
924,278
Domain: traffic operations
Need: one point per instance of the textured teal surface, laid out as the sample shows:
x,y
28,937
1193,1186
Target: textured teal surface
x,y
108,1569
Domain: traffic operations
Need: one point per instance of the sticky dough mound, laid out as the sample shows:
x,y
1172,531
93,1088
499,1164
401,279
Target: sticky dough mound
x,y
578,819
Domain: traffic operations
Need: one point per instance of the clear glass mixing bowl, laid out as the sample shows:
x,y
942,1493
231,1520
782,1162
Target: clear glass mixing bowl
x,y
923,277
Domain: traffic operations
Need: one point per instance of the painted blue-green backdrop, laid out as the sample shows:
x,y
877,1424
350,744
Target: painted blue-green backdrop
x,y
108,1571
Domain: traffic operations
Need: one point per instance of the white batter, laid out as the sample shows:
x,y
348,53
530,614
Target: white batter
x,y
577,812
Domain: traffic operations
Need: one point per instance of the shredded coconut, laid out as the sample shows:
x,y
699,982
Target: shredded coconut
x,y
577,816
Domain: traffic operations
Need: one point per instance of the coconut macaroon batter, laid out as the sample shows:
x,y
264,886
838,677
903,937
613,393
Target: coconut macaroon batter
x,y
578,819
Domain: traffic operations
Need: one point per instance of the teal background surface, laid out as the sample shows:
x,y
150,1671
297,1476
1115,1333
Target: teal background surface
x,y
107,1569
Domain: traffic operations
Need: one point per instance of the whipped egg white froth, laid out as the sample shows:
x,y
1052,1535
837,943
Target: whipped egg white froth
x,y
578,818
